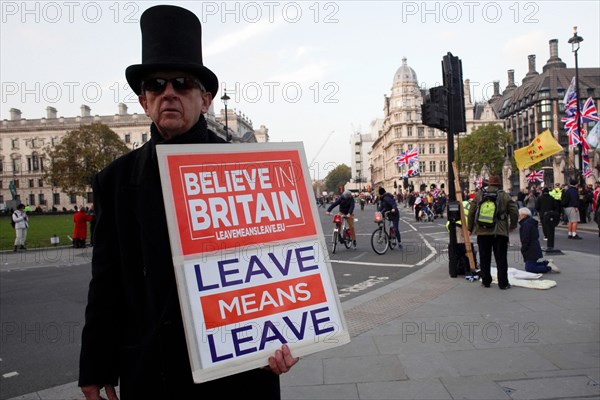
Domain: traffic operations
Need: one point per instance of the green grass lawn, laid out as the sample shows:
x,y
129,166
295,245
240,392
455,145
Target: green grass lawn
x,y
41,228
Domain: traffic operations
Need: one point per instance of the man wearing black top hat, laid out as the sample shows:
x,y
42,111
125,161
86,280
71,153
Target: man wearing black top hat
x,y
133,334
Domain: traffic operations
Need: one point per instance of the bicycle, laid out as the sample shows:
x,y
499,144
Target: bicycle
x,y
384,237
341,232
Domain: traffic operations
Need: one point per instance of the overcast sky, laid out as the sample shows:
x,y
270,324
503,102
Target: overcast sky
x,y
303,69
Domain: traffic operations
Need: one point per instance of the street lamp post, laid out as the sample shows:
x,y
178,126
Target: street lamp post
x,y
226,98
575,40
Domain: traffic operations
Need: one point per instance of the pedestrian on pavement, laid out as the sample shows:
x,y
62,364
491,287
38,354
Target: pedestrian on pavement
x,y
546,206
80,219
134,333
388,203
596,205
530,200
571,203
493,239
21,220
530,245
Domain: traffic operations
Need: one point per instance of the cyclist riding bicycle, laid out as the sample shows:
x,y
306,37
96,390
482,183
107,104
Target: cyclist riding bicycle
x,y
388,203
346,203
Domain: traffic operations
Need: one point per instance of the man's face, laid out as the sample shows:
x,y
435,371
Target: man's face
x,y
174,111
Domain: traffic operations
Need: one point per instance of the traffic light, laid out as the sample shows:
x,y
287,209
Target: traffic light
x,y
434,111
453,82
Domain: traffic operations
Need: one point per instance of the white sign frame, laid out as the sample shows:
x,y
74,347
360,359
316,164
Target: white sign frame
x,y
306,255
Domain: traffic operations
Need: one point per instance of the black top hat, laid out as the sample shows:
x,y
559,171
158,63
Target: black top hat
x,y
171,40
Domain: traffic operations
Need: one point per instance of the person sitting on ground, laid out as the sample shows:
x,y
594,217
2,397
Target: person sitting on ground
x,y
530,245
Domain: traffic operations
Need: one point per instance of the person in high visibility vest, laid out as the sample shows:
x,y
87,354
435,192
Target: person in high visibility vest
x,y
459,236
461,250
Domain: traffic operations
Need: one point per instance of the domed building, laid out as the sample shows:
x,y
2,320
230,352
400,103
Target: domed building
x,y
403,130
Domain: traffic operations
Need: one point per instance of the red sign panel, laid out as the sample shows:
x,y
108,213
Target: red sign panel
x,y
251,198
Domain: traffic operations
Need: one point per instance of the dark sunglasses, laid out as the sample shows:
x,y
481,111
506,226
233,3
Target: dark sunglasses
x,y
158,85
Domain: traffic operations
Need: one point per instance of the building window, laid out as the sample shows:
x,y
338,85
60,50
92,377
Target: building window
x,y
421,148
31,183
1,163
72,199
16,165
89,197
545,122
0,186
35,161
410,146
409,131
32,199
397,131
127,139
443,166
41,200
432,149
442,149
15,144
420,131
422,166
40,183
430,132
545,106
144,137
409,116
56,199
431,166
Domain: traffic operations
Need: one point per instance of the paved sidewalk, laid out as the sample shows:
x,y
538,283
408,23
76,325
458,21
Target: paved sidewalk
x,y
428,336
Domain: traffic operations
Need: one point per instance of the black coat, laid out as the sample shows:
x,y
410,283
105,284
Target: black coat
x,y
388,204
134,331
530,239
546,203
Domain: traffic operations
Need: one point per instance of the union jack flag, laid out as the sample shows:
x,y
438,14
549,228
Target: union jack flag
x,y
570,99
536,176
408,157
574,138
414,171
589,112
479,182
587,173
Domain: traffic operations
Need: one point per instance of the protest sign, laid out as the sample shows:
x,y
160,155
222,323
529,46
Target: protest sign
x,y
250,257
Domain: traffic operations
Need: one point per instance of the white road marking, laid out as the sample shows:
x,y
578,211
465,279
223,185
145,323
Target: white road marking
x,y
10,374
371,263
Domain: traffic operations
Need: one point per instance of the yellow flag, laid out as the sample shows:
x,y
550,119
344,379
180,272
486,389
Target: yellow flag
x,y
543,146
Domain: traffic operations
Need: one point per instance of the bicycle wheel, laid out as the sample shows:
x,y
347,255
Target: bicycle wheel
x,y
347,239
393,240
334,241
379,241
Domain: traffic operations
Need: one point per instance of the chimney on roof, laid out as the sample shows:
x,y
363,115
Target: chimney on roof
x,y
15,114
467,91
511,79
85,111
122,109
532,72
50,112
496,89
554,61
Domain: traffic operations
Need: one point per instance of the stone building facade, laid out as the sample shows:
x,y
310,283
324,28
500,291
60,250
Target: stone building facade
x,y
23,143
403,130
536,105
